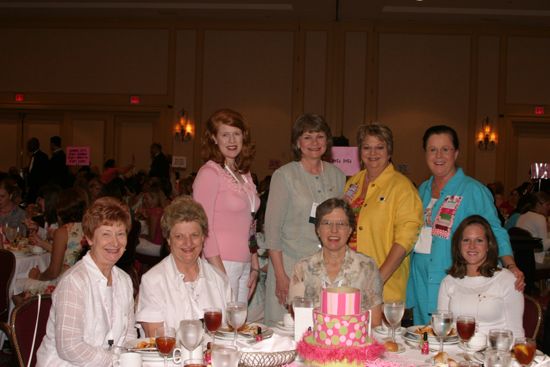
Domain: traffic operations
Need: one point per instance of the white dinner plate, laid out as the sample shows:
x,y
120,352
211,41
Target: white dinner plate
x,y
384,331
411,335
466,348
224,333
147,354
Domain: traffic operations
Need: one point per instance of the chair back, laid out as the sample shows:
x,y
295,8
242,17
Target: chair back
x,y
7,259
523,247
532,317
22,323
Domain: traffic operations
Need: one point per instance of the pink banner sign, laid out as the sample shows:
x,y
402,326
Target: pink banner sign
x,y
78,156
346,159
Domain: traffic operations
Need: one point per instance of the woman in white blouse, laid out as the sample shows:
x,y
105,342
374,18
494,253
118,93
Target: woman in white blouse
x,y
182,285
534,217
476,286
93,305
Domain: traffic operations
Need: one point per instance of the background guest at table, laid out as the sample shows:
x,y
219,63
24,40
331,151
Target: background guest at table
x,y
336,265
41,219
92,306
37,171
67,242
11,215
448,197
476,285
228,195
295,191
94,187
534,217
151,212
111,171
182,285
387,208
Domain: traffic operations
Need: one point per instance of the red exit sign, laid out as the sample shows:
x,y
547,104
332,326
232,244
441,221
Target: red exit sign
x,y
539,110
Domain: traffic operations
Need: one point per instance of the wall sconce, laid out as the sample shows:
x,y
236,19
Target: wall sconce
x,y
184,127
486,137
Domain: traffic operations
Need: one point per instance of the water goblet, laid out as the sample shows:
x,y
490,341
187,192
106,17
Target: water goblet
x,y
393,312
236,316
225,356
212,321
501,339
497,358
441,325
524,350
466,327
190,334
165,338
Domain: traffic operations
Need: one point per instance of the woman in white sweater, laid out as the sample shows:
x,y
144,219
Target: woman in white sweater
x,y
476,285
534,217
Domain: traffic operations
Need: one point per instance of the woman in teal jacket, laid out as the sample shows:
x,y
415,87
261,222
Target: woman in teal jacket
x,y
448,197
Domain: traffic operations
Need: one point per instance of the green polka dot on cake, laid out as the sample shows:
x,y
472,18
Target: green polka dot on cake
x,y
323,335
358,334
335,340
353,319
343,330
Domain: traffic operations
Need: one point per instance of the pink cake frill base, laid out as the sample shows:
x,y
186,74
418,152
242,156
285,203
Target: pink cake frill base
x,y
314,353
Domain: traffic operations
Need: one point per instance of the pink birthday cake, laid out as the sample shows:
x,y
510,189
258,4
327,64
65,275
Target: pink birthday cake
x,y
340,334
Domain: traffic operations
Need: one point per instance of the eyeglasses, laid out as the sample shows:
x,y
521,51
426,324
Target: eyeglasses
x,y
339,224
443,150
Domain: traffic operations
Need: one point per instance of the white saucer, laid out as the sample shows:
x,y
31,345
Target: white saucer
x,y
469,349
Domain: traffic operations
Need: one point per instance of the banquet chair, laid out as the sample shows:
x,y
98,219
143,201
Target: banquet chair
x,y
21,329
7,259
532,317
523,247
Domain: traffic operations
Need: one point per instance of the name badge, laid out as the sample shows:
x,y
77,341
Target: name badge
x,y
314,206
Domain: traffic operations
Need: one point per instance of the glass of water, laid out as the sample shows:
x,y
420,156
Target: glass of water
x,y
441,325
393,312
501,339
225,356
497,358
236,316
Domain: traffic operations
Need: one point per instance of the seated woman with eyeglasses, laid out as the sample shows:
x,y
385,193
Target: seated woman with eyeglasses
x,y
335,265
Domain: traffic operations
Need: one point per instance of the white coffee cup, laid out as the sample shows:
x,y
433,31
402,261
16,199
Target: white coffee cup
x,y
128,359
288,321
477,342
177,355
37,250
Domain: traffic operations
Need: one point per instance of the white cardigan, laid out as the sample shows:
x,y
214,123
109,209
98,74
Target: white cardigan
x,y
83,318
494,302
164,297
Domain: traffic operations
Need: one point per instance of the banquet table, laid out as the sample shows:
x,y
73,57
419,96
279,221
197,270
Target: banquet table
x,y
24,262
410,356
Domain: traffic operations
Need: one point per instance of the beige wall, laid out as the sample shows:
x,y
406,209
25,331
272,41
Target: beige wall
x,y
78,78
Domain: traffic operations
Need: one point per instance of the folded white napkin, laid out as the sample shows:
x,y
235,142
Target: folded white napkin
x,y
541,361
277,343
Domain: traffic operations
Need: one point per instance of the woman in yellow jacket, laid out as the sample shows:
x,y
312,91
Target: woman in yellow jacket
x,y
387,207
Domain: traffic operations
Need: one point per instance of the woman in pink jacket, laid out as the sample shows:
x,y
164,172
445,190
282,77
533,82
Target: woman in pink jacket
x,y
225,189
